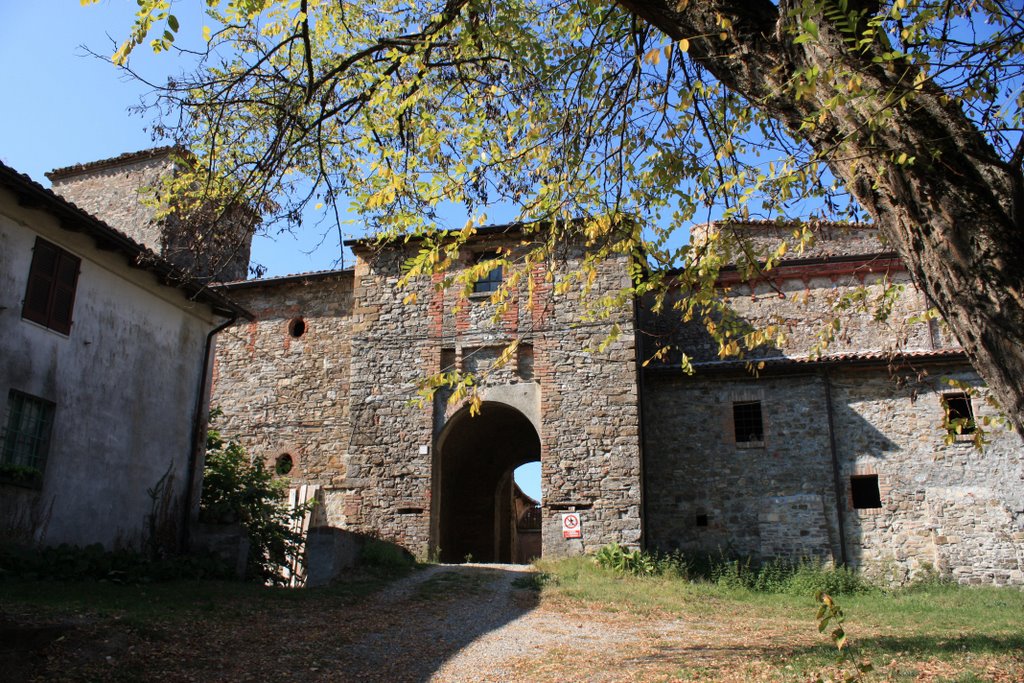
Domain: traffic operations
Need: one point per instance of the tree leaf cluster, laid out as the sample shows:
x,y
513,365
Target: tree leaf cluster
x,y
656,114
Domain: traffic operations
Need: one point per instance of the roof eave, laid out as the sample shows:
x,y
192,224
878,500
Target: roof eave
x,y
74,219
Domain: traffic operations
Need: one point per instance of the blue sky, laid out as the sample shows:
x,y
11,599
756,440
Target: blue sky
x,y
63,107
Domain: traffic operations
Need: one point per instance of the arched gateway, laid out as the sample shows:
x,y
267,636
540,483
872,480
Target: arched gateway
x,y
477,513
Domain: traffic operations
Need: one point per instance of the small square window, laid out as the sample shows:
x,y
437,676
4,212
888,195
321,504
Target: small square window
x,y
864,491
491,282
26,437
747,422
52,279
701,520
959,413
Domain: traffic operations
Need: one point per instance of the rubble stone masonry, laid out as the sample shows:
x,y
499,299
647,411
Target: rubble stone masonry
x,y
850,464
342,399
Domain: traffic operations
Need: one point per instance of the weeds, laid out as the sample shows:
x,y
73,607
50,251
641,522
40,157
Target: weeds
x,y
621,559
94,563
805,577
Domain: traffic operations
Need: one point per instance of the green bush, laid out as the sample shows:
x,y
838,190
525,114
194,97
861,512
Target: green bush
x,y
621,559
241,490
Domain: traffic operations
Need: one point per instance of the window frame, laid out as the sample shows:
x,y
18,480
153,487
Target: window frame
x,y
26,438
490,283
55,282
745,442
968,424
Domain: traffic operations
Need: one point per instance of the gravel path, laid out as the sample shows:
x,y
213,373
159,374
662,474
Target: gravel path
x,y
461,623
420,622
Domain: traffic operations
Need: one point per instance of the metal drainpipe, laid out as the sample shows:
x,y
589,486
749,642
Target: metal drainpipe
x,y
198,435
836,479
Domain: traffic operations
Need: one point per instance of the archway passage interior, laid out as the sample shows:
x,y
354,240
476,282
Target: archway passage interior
x,y
480,512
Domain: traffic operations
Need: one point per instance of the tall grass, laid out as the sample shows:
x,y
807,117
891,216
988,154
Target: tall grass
x,y
803,577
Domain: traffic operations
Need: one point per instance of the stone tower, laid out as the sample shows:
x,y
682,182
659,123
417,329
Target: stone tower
x,y
119,192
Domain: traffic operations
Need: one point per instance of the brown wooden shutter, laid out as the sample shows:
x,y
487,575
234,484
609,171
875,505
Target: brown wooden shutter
x,y
50,295
64,293
40,282
728,426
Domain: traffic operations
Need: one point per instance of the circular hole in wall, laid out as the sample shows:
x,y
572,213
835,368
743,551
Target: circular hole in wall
x,y
284,464
296,327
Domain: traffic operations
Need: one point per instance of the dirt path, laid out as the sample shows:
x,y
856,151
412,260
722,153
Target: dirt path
x,y
443,624
462,623
443,612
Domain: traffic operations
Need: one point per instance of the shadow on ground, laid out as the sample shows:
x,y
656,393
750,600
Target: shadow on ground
x,y
423,622
229,631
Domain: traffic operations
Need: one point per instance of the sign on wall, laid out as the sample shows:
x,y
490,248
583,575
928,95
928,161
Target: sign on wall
x,y
571,525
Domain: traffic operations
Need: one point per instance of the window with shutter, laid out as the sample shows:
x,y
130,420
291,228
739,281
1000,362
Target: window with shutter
x,y
50,295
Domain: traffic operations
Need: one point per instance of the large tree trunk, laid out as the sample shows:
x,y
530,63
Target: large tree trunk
x,y
954,215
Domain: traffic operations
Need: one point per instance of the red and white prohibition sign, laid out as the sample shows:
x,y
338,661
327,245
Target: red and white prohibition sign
x,y
571,526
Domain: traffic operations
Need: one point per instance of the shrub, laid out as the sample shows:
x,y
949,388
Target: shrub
x,y
621,559
237,489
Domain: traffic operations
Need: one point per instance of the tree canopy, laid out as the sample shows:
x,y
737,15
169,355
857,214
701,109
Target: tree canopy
x,y
659,114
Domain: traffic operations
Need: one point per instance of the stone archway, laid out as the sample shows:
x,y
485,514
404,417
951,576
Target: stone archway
x,y
474,512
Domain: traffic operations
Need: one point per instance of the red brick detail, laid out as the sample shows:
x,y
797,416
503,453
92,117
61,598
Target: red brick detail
x,y
510,318
462,315
353,507
250,345
437,306
542,306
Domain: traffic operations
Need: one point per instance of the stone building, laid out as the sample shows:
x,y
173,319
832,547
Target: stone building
x,y
126,191
837,452
327,374
105,365
834,452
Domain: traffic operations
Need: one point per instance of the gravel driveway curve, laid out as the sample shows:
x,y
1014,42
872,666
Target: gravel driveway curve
x,y
470,622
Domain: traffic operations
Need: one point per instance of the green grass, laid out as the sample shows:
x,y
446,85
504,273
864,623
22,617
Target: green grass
x,y
935,620
179,601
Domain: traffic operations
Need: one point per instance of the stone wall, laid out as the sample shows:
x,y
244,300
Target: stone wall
x,y
761,238
118,194
819,310
864,410
282,380
123,191
706,492
946,508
